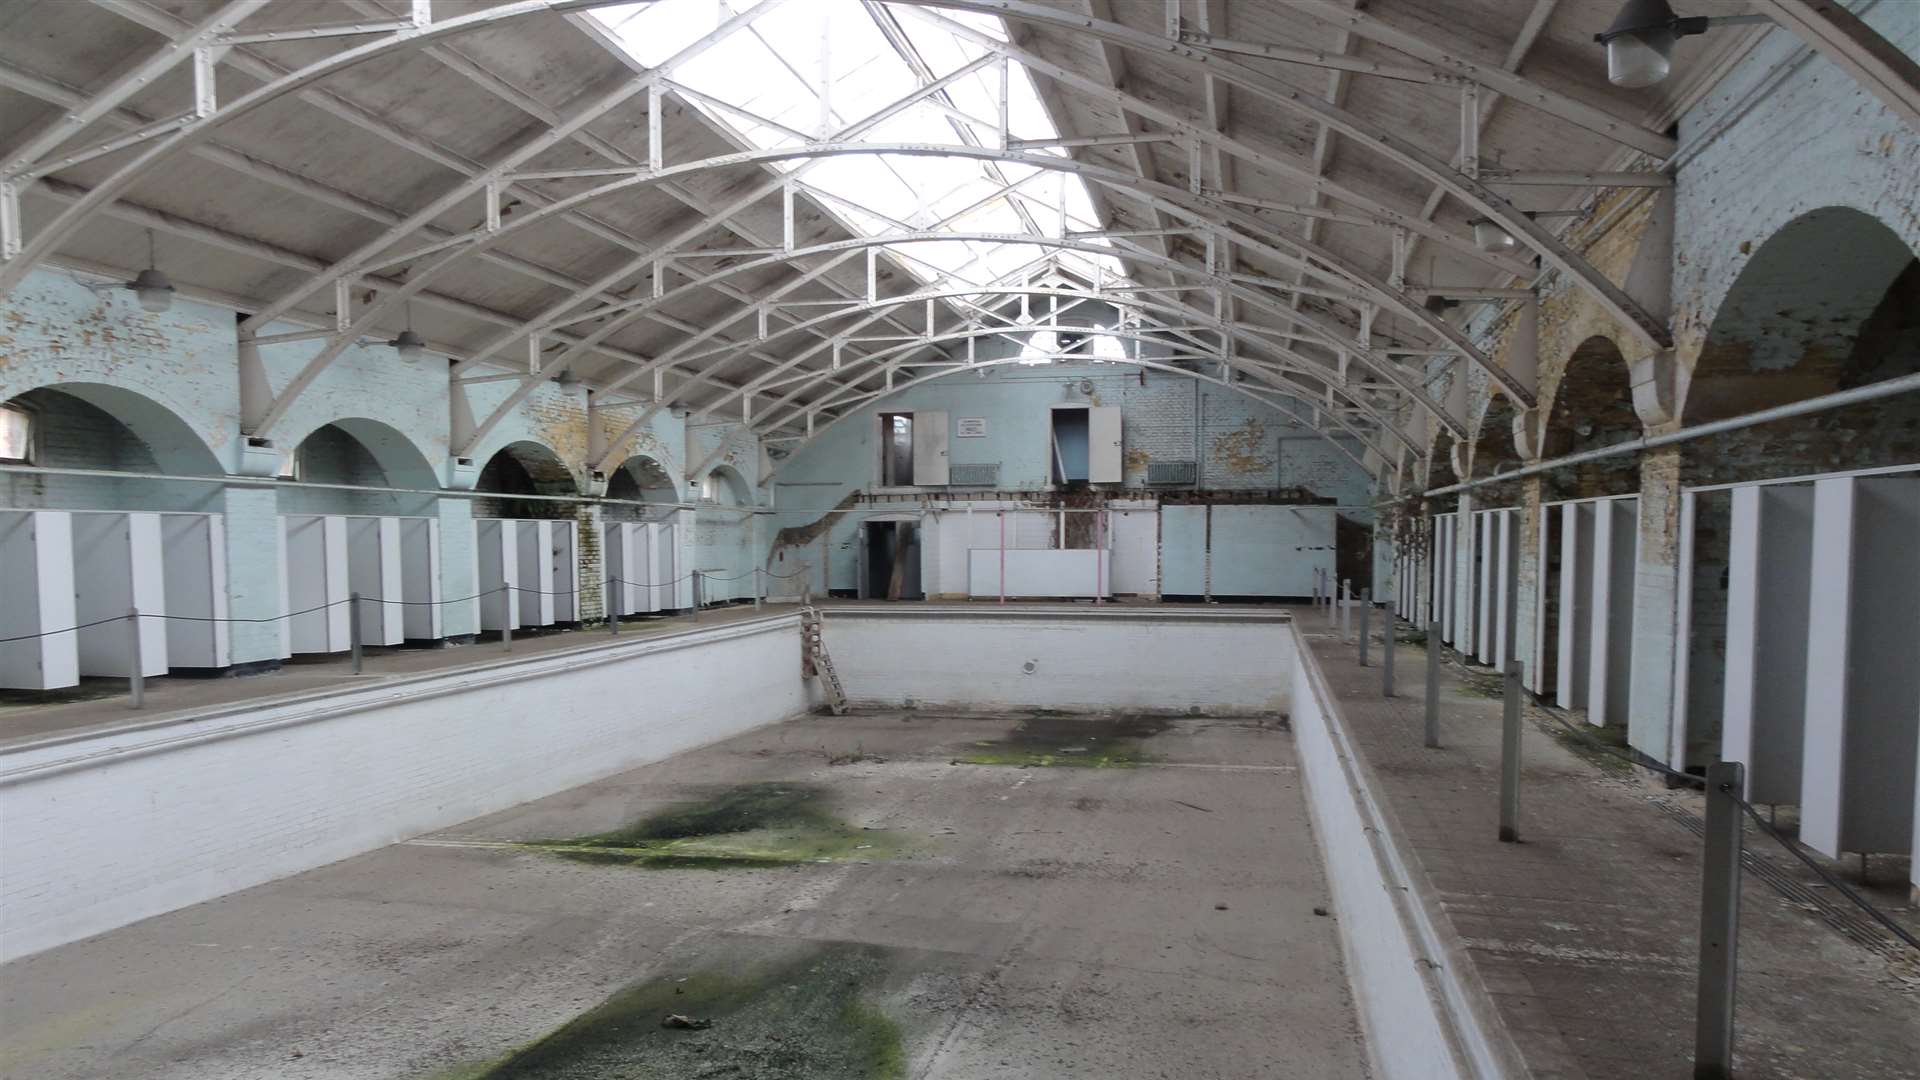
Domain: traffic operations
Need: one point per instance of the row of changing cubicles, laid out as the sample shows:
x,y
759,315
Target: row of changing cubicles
x,y
70,579
1796,646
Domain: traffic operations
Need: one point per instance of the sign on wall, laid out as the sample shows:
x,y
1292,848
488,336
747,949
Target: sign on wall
x,y
970,427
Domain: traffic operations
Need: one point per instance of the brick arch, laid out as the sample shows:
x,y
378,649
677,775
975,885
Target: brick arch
x,y
1494,450
640,477
1792,324
526,467
399,461
729,488
172,443
1591,407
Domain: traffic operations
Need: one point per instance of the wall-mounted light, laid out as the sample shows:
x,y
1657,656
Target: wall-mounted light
x,y
1640,40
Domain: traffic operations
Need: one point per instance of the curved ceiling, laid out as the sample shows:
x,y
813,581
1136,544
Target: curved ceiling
x,y
779,204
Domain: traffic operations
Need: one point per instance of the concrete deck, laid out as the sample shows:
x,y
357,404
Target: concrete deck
x,y
1056,922
103,703
1585,933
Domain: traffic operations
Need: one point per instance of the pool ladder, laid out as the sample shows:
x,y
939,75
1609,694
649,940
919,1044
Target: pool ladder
x,y
815,661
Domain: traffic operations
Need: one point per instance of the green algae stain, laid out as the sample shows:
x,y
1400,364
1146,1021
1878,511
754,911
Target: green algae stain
x,y
752,826
1047,740
806,1019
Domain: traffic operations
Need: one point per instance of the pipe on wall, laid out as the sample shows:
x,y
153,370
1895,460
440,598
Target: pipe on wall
x,y
1823,403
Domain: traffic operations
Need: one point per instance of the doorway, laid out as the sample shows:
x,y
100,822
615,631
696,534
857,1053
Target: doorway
x,y
890,561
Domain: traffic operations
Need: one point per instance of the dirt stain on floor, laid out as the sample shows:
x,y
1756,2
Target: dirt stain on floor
x,y
811,1017
1047,740
744,827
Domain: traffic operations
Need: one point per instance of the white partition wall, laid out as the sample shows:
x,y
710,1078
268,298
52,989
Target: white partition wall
x,y
537,586
1862,730
315,569
1134,543
1505,546
497,543
374,571
563,559
1446,537
1616,539
1485,584
1266,550
1039,572
194,552
629,562
1576,601
422,616
1769,565
665,592
36,597
118,564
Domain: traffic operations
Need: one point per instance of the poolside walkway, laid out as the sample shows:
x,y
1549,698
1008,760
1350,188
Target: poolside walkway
x,y
1584,934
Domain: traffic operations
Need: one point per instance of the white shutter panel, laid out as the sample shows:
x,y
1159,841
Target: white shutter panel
x,y
929,448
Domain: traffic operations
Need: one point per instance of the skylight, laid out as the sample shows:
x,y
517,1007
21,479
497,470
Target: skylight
x,y
764,83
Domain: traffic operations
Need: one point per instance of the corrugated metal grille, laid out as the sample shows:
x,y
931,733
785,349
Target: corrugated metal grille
x,y
1171,472
973,475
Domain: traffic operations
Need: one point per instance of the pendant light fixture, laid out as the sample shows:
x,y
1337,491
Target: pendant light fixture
x,y
1640,40
409,345
152,288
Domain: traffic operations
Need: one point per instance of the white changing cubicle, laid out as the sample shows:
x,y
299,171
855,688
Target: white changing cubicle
x,y
642,559
529,572
36,598
66,568
392,562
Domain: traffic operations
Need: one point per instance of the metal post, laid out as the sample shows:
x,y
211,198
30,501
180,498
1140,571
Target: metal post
x,y
759,590
1719,923
1332,607
1510,757
1386,652
353,630
1316,586
1433,684
136,674
1346,608
696,595
1366,620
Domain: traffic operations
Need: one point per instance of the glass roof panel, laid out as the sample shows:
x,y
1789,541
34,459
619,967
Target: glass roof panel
x,y
867,57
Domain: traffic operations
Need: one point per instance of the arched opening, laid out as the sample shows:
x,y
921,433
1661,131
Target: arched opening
x,y
525,468
361,453
723,537
1829,303
639,479
106,428
1592,408
1495,452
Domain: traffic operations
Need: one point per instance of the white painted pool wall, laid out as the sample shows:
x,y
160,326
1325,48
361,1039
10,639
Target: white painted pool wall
x,y
101,831
1422,1014
976,658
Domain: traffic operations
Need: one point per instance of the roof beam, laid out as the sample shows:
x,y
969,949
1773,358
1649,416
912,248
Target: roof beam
x,y
1499,79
